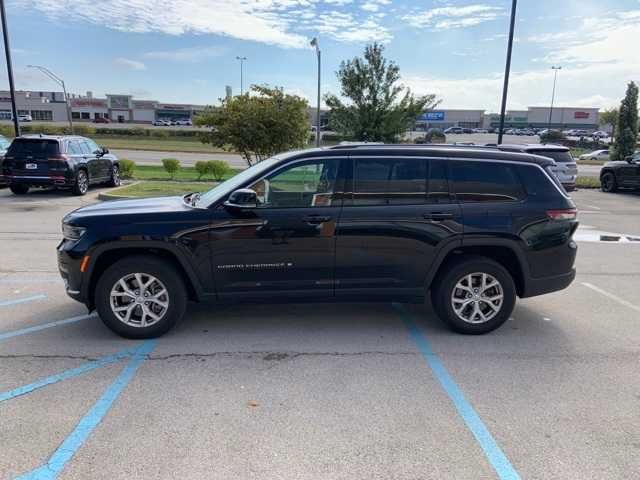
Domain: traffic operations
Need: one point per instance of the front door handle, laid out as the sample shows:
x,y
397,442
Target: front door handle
x,y
316,219
438,216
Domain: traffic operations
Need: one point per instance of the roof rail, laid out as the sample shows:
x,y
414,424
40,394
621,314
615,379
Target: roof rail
x,y
409,145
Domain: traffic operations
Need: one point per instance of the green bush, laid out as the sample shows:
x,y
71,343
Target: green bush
x,y
7,130
171,165
127,168
140,131
202,167
217,168
83,129
159,134
553,136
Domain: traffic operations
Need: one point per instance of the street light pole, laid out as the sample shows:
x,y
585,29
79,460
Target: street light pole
x,y
507,70
242,59
60,82
7,52
553,92
314,43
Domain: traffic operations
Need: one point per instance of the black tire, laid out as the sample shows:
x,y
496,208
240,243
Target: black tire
x,y
81,184
114,181
445,284
608,183
163,271
19,189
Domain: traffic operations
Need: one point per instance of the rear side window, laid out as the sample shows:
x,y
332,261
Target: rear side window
x,y
36,148
485,182
384,181
537,184
559,156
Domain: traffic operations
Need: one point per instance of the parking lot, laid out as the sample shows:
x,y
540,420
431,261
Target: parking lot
x,y
325,391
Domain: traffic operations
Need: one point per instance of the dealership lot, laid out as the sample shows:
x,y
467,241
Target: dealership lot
x,y
322,391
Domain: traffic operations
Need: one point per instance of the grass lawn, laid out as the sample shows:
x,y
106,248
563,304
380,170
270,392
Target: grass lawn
x,y
588,182
185,174
591,162
161,189
172,144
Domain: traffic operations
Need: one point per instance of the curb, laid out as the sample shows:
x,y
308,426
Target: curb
x,y
105,197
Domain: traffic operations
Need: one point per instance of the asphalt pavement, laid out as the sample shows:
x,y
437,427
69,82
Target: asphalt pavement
x,y
331,391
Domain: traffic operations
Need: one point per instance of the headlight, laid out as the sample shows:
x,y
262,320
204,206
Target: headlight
x,y
70,232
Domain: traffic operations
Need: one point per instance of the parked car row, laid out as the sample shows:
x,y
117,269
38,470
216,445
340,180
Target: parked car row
x,y
167,123
67,162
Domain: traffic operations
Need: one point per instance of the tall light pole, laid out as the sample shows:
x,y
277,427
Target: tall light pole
x,y
242,59
314,43
507,70
60,82
553,92
7,52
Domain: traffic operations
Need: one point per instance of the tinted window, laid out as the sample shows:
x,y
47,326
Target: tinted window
x,y
309,184
485,182
93,146
33,147
438,188
74,148
559,156
84,147
390,181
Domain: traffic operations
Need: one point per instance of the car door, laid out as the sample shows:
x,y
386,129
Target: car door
x,y
396,219
287,244
90,159
77,153
103,162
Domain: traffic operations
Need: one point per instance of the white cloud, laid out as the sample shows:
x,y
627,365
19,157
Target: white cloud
x,y
130,64
444,18
191,54
343,27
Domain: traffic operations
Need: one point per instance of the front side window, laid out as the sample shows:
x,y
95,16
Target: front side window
x,y
302,185
91,145
483,181
74,148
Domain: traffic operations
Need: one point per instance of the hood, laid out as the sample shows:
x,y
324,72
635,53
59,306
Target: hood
x,y
129,207
616,163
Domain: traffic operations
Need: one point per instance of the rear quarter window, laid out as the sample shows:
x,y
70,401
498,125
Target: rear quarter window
x,y
537,183
33,148
484,181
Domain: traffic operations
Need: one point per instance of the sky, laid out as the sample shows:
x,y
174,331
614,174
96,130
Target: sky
x,y
184,51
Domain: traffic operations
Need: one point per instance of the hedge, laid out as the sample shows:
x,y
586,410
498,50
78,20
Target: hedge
x,y
90,130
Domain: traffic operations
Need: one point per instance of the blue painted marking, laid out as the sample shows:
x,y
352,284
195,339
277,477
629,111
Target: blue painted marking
x,y
17,301
494,454
68,448
44,326
73,372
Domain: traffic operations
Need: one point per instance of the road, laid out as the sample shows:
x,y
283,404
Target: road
x,y
358,391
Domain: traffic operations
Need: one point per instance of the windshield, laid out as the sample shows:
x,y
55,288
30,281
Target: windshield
x,y
213,195
560,156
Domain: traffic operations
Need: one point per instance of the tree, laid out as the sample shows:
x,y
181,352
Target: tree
x,y
609,117
379,108
259,124
171,165
625,142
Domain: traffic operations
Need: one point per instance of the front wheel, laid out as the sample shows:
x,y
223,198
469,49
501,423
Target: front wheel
x,y
114,181
140,297
608,183
475,296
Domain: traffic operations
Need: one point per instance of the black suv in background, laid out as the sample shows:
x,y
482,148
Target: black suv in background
x,y
621,174
58,161
471,227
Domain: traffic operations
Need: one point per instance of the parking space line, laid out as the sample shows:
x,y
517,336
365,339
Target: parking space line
x,y
17,301
621,301
73,372
80,434
44,326
492,451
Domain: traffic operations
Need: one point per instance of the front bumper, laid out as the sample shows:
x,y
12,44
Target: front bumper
x,y
69,268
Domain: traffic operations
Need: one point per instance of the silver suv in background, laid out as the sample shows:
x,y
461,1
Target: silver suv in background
x,y
565,170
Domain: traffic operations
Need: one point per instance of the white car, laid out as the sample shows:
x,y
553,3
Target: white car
x,y
596,155
25,118
600,134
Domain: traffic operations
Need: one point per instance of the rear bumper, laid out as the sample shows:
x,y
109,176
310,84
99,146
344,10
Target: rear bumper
x,y
39,180
540,286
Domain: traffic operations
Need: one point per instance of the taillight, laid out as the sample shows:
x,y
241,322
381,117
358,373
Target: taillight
x,y
59,162
567,214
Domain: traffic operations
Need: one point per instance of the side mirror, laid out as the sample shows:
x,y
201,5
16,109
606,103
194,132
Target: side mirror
x,y
243,198
104,150
629,159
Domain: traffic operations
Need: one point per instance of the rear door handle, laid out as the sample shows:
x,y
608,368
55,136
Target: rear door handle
x,y
438,216
316,219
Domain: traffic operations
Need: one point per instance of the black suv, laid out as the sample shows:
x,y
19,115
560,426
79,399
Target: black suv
x,y
475,227
58,161
621,174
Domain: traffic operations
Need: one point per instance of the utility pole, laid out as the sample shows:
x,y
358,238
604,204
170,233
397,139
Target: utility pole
x,y
60,82
553,92
7,52
507,70
242,60
314,43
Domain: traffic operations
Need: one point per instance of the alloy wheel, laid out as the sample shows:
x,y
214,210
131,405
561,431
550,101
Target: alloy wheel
x,y
139,300
477,298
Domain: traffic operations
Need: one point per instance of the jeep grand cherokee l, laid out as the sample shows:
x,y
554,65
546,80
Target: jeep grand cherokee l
x,y
69,162
472,227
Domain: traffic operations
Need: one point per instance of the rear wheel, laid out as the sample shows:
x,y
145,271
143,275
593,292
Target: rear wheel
x,y
81,185
475,296
114,181
19,189
608,183
140,297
